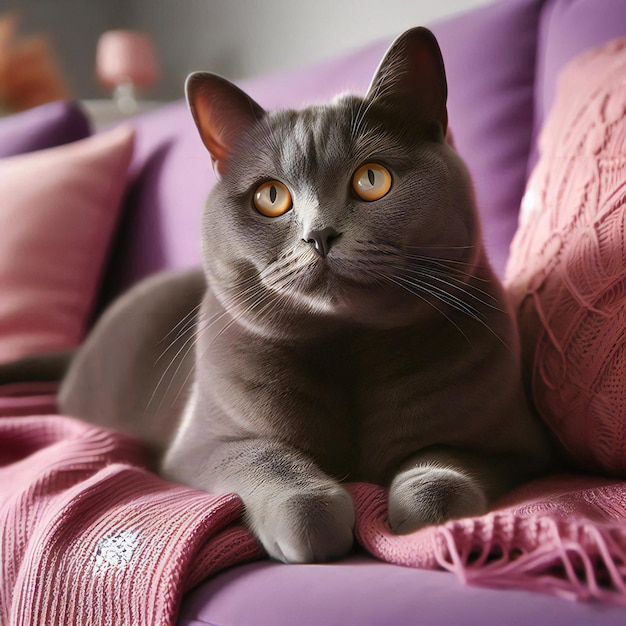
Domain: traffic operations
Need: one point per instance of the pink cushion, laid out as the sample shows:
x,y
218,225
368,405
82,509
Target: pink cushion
x,y
567,272
58,210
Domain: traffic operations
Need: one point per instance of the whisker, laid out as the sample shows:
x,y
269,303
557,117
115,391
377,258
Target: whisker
x,y
448,264
200,326
426,300
187,346
463,307
234,319
445,297
459,285
190,324
185,319
250,301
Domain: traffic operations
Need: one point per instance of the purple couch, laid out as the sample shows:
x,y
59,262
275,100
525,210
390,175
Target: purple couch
x,y
502,62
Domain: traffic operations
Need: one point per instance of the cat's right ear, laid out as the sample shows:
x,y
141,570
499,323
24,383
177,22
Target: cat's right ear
x,y
222,113
411,81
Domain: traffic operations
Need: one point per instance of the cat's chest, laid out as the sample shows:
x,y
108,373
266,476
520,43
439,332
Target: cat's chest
x,y
362,381
351,376
355,401
391,364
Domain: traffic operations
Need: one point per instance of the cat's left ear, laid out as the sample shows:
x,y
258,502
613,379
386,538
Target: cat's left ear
x,y
222,113
411,80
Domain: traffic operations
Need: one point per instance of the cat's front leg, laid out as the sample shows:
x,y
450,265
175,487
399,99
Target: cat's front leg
x,y
438,484
299,514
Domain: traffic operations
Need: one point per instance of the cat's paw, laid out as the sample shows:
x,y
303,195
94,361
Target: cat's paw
x,y
428,495
306,526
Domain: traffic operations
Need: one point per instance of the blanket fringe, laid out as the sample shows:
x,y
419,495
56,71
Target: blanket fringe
x,y
593,568
572,556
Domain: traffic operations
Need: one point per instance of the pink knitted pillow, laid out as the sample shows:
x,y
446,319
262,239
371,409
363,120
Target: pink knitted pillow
x,y
567,270
58,211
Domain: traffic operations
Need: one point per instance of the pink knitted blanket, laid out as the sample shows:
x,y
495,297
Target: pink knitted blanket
x,y
89,536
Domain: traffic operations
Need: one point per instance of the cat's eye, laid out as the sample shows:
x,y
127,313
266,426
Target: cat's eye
x,y
371,182
272,199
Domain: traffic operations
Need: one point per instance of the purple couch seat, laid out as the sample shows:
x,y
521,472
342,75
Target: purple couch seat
x,y
362,591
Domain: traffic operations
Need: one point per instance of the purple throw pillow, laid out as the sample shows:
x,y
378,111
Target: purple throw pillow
x,y
43,127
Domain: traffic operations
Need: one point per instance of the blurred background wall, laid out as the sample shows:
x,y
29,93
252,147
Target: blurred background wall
x,y
236,38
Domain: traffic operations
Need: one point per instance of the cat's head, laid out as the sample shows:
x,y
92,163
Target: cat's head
x,y
356,210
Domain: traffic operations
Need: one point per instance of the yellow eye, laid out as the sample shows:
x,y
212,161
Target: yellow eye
x,y
272,199
371,181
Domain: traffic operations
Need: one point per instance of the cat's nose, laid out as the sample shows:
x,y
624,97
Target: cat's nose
x,y
322,239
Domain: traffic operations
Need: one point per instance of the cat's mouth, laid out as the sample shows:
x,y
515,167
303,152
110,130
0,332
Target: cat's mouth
x,y
381,292
305,277
366,278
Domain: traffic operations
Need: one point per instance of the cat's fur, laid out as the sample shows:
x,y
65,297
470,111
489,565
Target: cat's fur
x,y
392,357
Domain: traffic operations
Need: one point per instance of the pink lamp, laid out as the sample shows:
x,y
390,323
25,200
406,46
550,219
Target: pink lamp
x,y
125,61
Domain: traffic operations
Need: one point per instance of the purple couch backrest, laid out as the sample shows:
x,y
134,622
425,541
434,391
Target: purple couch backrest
x,y
567,28
490,60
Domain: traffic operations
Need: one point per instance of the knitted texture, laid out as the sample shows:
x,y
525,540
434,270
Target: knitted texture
x,y
89,537
567,270
565,536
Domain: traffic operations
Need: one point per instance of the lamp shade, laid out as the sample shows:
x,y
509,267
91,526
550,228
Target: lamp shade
x,y
125,56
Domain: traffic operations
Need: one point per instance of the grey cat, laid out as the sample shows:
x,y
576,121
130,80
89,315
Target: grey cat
x,y
346,325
